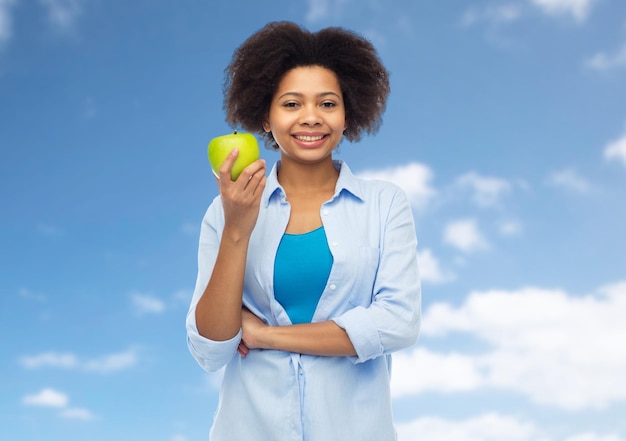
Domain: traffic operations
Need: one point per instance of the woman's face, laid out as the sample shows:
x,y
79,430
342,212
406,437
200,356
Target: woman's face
x,y
307,115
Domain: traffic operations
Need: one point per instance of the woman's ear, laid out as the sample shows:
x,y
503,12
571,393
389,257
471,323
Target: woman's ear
x,y
266,126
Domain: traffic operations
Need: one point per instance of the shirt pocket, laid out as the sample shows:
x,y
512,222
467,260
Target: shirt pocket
x,y
366,268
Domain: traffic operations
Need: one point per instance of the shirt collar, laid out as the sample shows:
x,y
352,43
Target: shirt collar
x,y
347,181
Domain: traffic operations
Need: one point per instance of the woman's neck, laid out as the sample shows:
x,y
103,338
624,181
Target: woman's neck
x,y
298,178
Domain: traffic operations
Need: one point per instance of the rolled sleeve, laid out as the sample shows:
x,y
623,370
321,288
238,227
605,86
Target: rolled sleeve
x,y
381,329
211,355
362,332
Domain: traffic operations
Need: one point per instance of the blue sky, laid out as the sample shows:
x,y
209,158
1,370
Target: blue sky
x,y
506,126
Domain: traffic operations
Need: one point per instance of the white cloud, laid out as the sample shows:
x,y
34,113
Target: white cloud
x,y
49,359
405,25
489,427
182,297
594,437
556,349
493,14
77,414
414,178
320,10
28,294
104,365
113,362
464,235
508,12
616,150
49,230
51,398
190,228
570,179
62,14
430,270
147,304
603,61
421,370
6,21
47,398
486,191
578,9
510,228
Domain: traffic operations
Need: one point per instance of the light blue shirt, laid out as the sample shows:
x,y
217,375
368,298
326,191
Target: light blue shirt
x,y
373,293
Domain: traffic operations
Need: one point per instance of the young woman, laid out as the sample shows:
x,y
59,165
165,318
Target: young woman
x,y
307,278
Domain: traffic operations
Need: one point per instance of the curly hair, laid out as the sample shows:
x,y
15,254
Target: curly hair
x,y
259,64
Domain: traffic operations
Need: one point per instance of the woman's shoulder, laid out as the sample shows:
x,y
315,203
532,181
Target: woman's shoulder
x,y
380,188
379,184
376,192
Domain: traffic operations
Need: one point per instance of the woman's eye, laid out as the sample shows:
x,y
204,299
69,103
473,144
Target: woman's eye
x,y
328,104
290,104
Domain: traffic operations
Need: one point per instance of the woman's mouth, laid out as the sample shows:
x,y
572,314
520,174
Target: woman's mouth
x,y
310,141
309,138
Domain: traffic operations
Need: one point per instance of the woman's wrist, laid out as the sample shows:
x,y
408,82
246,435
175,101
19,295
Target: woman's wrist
x,y
265,337
235,235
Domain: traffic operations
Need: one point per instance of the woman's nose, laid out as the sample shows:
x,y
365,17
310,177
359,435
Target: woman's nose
x,y
310,116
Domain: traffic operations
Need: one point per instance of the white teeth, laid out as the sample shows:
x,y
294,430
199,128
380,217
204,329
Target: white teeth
x,y
309,138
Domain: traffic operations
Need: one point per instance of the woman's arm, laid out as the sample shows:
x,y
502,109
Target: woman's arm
x,y
322,338
218,312
391,322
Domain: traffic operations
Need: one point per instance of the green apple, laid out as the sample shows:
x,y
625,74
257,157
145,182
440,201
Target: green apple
x,y
221,146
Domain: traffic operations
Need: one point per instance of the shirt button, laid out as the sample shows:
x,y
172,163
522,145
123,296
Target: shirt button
x,y
332,287
334,243
325,212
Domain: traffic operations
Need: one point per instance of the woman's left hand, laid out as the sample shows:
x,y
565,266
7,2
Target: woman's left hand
x,y
251,327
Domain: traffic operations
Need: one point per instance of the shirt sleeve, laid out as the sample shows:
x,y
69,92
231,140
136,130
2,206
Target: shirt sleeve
x,y
211,355
392,321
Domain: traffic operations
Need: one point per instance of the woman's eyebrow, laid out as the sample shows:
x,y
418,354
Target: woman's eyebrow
x,y
301,95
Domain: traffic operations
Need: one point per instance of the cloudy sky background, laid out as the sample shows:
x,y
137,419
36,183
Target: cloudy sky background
x,y
506,126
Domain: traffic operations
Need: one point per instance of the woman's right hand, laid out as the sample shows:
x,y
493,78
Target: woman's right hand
x,y
241,199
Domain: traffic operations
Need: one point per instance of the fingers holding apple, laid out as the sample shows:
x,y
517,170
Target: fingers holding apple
x,y
220,149
240,177
250,175
225,169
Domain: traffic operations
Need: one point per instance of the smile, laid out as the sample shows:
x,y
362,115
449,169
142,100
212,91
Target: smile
x,y
307,138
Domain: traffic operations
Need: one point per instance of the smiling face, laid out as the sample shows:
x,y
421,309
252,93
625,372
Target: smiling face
x,y
307,115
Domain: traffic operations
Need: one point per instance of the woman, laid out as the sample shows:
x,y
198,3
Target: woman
x,y
307,278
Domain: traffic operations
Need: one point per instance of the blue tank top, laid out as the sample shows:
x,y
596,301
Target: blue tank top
x,y
301,269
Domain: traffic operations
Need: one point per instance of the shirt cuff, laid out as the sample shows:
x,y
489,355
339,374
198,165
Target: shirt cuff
x,y
210,354
362,332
